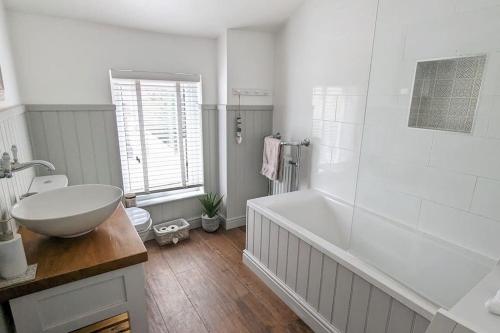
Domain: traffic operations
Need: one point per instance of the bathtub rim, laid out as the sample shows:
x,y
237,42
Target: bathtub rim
x,y
372,275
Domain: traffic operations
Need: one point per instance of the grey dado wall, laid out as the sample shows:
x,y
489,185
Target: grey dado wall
x,y
14,130
240,164
82,142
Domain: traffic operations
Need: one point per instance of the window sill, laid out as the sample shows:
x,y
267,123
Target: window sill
x,y
146,200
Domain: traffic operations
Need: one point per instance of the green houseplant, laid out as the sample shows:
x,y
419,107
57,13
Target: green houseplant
x,y
210,206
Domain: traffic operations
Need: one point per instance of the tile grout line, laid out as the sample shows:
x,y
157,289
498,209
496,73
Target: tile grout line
x,y
472,196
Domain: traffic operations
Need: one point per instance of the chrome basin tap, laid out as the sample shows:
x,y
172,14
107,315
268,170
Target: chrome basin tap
x,y
7,168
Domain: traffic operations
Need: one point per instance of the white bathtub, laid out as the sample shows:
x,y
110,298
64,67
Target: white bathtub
x,y
331,269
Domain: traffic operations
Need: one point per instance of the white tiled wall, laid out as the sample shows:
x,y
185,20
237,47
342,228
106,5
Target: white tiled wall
x,y
445,184
322,66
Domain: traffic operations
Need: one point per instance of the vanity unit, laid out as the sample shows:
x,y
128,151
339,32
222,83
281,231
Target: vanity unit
x,y
95,278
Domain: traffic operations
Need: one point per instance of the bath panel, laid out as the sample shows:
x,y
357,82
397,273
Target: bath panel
x,y
328,296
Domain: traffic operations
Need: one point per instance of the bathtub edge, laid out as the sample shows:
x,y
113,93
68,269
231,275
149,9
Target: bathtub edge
x,y
384,282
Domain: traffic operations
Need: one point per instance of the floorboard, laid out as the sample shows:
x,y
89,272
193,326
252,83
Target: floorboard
x,y
202,285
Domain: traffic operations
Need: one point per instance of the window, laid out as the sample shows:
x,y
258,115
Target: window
x,y
159,131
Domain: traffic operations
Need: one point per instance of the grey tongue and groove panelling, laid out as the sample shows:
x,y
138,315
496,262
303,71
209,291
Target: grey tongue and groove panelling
x,y
345,301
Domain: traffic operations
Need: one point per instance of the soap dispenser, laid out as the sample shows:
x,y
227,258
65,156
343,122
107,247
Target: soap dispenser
x,y
12,257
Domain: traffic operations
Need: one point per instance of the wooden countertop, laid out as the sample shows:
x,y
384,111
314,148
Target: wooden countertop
x,y
113,245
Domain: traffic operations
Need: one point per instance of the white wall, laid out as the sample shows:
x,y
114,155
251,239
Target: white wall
x,y
443,183
222,68
13,130
7,64
322,66
250,64
62,61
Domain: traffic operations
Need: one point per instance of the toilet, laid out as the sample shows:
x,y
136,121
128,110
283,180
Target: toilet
x,y
141,220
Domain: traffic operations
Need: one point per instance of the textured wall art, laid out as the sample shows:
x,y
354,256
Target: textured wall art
x,y
445,93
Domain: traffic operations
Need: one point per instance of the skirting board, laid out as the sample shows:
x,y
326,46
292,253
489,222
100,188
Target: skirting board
x,y
308,314
234,222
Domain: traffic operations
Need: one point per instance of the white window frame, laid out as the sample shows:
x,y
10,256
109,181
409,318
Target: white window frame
x,y
157,196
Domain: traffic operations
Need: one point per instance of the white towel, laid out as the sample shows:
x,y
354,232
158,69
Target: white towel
x,y
271,159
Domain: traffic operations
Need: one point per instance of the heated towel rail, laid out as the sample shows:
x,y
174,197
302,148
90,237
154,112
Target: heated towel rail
x,y
290,172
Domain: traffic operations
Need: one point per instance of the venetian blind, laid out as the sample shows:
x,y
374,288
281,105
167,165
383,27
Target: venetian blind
x,y
160,134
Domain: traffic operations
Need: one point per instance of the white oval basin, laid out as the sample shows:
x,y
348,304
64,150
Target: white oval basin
x,y
68,212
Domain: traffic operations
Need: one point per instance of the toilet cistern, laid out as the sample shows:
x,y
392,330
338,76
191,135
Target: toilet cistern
x,y
7,168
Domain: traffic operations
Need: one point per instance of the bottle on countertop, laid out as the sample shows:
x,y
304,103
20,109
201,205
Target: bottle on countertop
x,y
12,257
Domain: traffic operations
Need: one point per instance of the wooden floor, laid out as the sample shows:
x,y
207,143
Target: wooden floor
x,y
201,285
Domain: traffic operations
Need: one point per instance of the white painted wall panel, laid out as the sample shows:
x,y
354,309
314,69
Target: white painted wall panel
x,y
14,130
273,250
71,145
257,234
315,272
99,137
282,253
378,311
420,324
400,318
359,305
292,261
328,279
461,329
250,230
441,324
342,298
264,249
54,140
303,268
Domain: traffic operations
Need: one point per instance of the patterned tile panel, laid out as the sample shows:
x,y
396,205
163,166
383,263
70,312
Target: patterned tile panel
x,y
445,93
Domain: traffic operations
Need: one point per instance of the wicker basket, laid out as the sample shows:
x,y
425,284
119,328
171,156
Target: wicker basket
x,y
171,232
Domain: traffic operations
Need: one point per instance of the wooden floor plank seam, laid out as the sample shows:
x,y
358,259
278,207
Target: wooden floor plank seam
x,y
215,286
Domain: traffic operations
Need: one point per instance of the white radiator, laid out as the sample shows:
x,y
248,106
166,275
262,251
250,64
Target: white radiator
x,y
287,182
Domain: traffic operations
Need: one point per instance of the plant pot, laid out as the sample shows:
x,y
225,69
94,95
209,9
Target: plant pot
x,y
210,224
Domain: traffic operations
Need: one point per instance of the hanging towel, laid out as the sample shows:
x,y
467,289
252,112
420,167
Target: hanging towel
x,y
271,159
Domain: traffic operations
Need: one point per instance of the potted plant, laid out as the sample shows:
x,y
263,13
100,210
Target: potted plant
x,y
210,205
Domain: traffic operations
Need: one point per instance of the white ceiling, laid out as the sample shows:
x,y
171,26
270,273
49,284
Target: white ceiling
x,y
206,18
